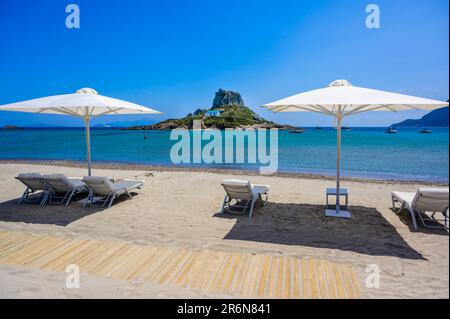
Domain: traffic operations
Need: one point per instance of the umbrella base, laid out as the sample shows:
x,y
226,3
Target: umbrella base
x,y
338,214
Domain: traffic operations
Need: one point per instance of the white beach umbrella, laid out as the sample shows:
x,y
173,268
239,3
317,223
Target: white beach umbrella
x,y
341,99
86,104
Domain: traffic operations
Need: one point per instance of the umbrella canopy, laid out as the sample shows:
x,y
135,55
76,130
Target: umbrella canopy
x,y
342,99
352,100
86,104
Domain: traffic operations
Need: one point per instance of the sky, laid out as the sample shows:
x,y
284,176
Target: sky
x,y
174,55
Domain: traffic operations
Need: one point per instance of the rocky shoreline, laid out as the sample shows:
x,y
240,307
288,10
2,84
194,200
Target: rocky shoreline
x,y
168,126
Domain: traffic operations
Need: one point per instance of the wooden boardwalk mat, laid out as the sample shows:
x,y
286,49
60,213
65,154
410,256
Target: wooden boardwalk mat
x,y
240,274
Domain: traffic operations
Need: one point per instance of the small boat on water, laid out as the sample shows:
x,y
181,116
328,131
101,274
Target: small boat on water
x,y
391,130
296,131
344,128
11,128
425,131
318,128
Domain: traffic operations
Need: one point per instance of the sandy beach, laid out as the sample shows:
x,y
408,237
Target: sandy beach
x,y
180,209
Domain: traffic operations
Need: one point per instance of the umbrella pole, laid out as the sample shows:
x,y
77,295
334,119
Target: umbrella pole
x,y
337,212
88,142
338,161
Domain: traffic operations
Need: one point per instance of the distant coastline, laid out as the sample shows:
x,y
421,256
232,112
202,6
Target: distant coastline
x,y
436,118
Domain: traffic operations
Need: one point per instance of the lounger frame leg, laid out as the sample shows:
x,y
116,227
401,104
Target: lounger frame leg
x,y
240,212
108,200
249,204
250,214
413,216
424,223
264,201
402,206
25,198
446,219
70,196
113,197
394,208
225,204
45,197
89,198
139,189
59,199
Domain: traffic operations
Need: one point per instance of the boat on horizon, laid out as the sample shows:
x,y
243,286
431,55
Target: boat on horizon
x,y
425,131
391,130
344,128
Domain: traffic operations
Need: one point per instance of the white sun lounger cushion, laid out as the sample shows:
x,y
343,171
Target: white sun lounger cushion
x,y
260,189
431,199
104,186
238,190
62,183
127,185
29,175
425,199
32,180
243,189
404,197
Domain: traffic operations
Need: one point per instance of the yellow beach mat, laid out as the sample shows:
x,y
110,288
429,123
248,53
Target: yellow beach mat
x,y
239,274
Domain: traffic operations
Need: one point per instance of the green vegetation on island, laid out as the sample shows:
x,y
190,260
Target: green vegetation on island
x,y
228,111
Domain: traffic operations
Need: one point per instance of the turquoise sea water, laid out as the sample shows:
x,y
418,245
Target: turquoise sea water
x,y
366,152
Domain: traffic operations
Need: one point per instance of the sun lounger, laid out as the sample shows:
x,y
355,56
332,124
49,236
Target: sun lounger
x,y
245,194
431,200
61,189
107,190
34,184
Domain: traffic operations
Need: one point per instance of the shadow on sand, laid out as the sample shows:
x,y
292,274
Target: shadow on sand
x,y
405,218
59,215
306,225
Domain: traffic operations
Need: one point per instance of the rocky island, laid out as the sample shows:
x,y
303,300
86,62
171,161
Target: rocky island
x,y
228,110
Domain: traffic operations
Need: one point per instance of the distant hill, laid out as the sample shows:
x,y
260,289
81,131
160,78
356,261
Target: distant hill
x,y
228,111
435,118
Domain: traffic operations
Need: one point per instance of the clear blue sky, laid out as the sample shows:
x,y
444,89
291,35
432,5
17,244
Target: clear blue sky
x,y
173,55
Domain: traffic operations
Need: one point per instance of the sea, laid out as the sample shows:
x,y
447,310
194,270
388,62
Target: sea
x,y
366,152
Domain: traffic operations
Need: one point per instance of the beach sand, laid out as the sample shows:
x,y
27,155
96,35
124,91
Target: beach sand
x,y
180,209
